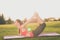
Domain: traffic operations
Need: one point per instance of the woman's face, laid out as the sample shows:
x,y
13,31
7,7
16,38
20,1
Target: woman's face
x,y
17,23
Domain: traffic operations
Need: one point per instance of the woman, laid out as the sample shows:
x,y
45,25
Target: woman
x,y
37,31
18,23
22,30
35,18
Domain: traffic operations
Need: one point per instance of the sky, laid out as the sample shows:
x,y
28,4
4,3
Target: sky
x,y
20,9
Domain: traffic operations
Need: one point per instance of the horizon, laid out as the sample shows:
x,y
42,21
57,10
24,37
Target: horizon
x,y
19,9
25,17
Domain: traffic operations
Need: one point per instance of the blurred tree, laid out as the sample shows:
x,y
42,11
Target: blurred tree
x,y
9,21
55,19
59,19
2,20
46,20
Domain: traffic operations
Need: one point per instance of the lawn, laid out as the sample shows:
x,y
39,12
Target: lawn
x,y
10,29
52,27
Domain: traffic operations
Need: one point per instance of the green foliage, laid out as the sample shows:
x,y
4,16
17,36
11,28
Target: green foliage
x,y
46,20
2,20
9,21
59,19
51,19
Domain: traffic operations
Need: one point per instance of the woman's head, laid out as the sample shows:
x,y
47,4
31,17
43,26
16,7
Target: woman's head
x,y
18,22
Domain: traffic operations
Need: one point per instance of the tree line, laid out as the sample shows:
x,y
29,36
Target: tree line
x,y
9,21
51,19
3,21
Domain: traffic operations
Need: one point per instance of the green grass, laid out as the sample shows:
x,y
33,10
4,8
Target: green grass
x,y
7,30
52,27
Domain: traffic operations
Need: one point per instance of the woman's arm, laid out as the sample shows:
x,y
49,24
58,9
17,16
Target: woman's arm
x,y
27,22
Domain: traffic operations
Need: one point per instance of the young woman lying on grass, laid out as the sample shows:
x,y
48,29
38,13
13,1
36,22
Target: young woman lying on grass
x,y
27,32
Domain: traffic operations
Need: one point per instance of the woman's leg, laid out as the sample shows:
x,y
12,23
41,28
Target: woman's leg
x,y
39,29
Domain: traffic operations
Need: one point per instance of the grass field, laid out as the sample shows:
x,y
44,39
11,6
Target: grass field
x,y
10,29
